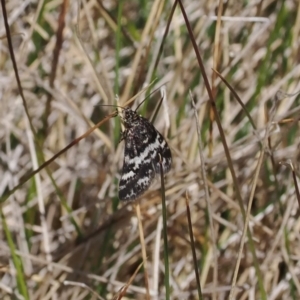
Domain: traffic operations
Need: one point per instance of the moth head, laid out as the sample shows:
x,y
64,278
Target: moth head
x,y
130,117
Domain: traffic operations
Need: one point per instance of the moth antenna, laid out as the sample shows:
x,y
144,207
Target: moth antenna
x,y
149,96
112,105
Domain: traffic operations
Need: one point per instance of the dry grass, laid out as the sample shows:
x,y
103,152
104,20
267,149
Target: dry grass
x,y
64,237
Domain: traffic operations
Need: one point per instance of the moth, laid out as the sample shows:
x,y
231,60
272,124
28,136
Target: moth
x,y
143,145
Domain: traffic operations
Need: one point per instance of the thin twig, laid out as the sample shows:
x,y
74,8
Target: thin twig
x,y
193,247
143,247
165,231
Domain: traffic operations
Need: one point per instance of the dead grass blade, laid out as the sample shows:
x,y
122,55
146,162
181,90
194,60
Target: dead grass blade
x,y
291,166
123,290
83,286
207,200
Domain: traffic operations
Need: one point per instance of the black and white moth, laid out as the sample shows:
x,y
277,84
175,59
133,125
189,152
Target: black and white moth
x,y
143,144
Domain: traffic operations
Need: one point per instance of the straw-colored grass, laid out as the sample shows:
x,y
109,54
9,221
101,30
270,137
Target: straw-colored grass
x,y
64,234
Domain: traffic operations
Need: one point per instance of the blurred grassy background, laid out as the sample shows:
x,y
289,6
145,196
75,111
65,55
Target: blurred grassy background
x,y
65,223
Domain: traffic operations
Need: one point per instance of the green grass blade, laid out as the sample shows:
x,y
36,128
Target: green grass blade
x,y
165,233
21,283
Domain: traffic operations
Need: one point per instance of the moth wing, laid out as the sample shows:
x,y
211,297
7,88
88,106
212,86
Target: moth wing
x,y
133,182
161,147
143,144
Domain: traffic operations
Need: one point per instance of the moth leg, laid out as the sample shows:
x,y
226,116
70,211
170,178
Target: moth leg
x,y
123,136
